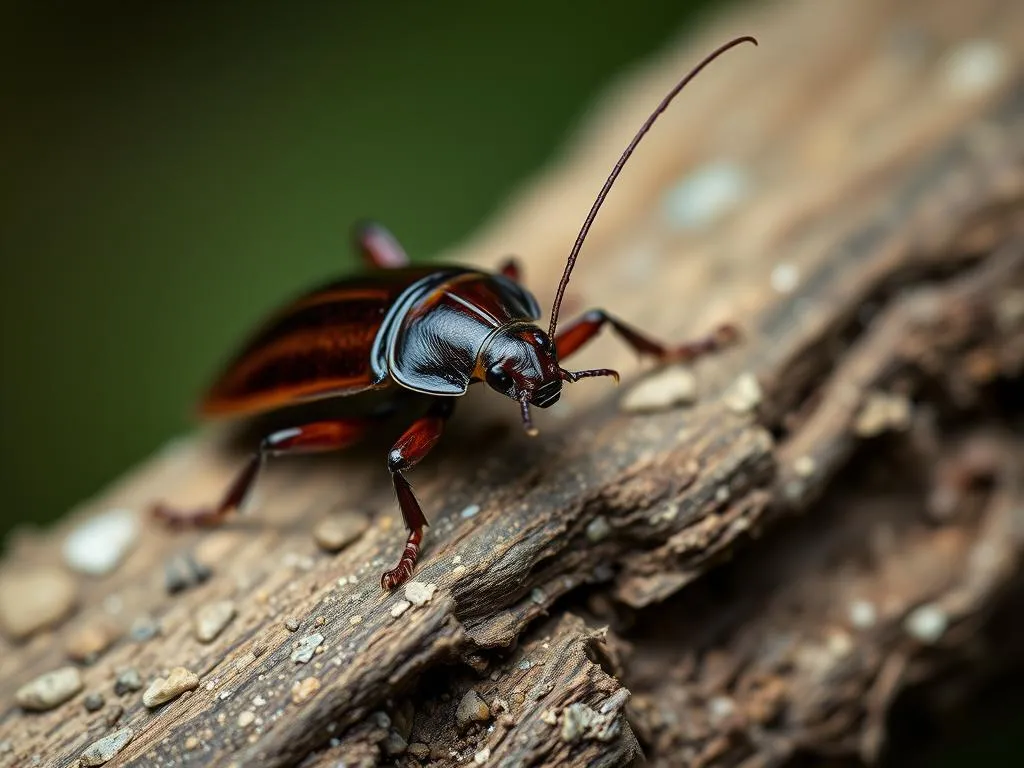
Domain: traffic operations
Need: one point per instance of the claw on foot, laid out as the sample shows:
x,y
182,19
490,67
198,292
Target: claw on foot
x,y
400,574
395,578
724,336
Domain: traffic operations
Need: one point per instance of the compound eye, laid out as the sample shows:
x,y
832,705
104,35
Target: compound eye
x,y
543,342
498,379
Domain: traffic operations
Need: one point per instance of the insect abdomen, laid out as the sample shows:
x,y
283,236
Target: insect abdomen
x,y
319,346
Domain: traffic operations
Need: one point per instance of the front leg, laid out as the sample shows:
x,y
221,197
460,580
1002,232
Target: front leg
x,y
314,437
583,329
406,453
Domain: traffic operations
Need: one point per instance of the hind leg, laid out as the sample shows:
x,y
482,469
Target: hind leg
x,y
378,247
315,437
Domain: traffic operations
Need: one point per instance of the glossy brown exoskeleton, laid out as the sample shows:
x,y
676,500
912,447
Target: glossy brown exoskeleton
x,y
433,330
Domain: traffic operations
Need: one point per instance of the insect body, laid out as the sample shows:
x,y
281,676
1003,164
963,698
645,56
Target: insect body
x,y
400,329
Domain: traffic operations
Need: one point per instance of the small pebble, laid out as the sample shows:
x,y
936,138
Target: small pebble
x,y
744,395
603,572
335,532
418,592
975,66
299,562
291,624
576,720
182,572
1009,310
144,628
191,743
400,607
927,623
598,529
804,466
471,709
306,648
246,718
128,681
839,643
211,619
355,620
93,702
549,716
88,643
34,598
705,194
305,689
470,511
669,512
49,690
785,278
720,708
99,544
394,745
482,756
103,750
661,391
419,750
863,614
880,413
176,683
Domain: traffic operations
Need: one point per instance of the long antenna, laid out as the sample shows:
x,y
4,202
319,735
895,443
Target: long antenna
x,y
618,169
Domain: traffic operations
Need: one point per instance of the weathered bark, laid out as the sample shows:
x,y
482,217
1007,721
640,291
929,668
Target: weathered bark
x,y
758,576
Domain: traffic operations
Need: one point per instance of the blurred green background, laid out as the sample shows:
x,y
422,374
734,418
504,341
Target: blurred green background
x,y
172,171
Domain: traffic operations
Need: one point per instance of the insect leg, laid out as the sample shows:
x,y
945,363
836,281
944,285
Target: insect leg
x,y
406,453
583,329
378,247
511,269
314,437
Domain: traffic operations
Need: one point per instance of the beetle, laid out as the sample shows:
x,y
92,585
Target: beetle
x,y
398,329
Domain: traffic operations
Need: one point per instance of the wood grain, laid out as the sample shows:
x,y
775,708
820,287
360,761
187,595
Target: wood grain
x,y
757,569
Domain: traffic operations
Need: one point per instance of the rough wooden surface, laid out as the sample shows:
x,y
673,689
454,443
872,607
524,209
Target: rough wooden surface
x,y
752,578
